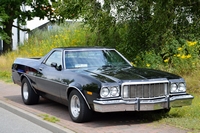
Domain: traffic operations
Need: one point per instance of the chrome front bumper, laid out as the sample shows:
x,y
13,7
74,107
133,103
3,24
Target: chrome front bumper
x,y
142,104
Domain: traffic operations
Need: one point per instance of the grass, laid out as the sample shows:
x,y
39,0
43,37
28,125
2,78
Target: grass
x,y
5,76
39,44
186,117
52,119
193,81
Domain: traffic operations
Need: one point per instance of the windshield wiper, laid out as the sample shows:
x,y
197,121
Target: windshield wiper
x,y
108,65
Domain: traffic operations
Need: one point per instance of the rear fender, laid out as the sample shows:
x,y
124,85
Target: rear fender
x,y
24,76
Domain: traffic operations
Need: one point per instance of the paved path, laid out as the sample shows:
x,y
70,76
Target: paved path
x,y
10,98
11,123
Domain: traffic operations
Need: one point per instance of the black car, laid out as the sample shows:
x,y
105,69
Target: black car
x,y
97,79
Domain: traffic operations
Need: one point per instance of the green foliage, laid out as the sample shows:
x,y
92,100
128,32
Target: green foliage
x,y
52,119
149,59
41,43
70,9
187,117
3,17
148,33
23,10
178,56
5,75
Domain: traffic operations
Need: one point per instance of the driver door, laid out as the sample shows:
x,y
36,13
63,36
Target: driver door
x,y
50,72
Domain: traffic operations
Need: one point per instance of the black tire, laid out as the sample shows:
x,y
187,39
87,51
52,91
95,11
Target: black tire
x,y
78,109
29,96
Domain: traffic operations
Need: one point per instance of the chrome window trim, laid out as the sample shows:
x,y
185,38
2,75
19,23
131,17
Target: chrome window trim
x,y
85,49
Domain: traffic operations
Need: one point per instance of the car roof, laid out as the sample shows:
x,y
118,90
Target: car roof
x,y
83,48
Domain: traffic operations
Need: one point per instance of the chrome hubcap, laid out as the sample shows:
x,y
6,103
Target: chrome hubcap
x,y
25,91
75,106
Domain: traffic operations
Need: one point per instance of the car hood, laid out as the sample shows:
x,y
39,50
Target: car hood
x,y
131,73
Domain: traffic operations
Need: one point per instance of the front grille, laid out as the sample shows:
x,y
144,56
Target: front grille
x,y
149,90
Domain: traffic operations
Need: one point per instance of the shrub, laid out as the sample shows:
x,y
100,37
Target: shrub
x,y
178,56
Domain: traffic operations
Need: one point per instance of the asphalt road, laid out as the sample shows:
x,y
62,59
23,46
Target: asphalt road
x,y
12,123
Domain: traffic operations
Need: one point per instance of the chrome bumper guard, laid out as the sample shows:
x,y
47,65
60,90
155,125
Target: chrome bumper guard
x,y
142,104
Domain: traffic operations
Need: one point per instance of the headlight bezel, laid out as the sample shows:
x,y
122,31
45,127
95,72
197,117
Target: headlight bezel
x,y
103,92
182,87
113,91
179,87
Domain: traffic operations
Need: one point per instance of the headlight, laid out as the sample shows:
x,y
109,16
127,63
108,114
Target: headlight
x,y
112,91
181,87
178,87
173,88
104,92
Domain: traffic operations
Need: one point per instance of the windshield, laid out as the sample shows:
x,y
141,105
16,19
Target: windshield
x,y
94,58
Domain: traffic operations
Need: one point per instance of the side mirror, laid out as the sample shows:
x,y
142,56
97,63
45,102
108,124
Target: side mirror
x,y
59,68
53,64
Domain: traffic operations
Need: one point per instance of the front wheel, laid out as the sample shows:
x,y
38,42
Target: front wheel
x,y
28,94
78,109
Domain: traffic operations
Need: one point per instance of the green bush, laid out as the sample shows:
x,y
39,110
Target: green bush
x,y
178,56
42,42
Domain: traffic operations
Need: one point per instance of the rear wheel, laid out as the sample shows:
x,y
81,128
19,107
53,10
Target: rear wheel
x,y
28,94
78,109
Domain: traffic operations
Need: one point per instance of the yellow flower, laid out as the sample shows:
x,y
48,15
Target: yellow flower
x,y
178,55
179,49
191,43
188,56
148,65
133,64
166,60
183,56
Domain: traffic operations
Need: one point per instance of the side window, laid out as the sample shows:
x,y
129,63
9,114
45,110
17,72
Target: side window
x,y
55,57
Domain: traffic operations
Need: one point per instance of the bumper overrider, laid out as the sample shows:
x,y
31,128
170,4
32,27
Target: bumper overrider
x,y
140,104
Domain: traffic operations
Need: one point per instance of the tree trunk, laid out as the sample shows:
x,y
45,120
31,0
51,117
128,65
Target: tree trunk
x,y
7,44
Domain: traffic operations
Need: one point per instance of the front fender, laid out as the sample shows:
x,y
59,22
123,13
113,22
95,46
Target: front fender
x,y
77,87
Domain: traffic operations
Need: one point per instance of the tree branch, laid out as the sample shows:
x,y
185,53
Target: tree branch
x,y
22,29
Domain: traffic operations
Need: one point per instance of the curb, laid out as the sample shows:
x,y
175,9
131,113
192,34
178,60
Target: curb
x,y
34,119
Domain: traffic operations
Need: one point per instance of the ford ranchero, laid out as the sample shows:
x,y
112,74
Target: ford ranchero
x,y
89,79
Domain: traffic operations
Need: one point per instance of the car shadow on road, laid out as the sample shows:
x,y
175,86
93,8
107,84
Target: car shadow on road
x,y
128,117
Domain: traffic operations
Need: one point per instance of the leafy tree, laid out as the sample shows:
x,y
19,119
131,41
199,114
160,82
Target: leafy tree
x,y
134,26
15,9
70,9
